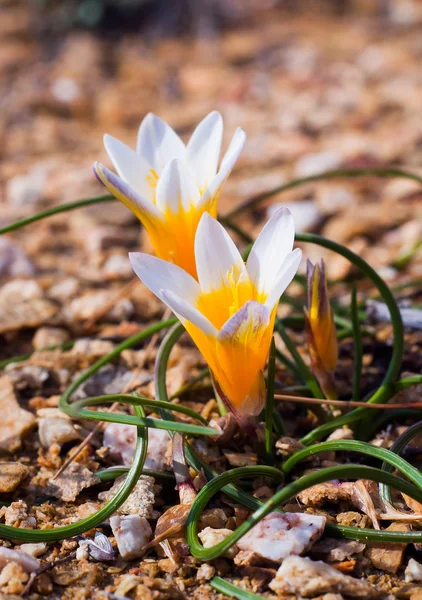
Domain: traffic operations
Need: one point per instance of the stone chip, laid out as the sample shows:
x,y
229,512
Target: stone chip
x,y
16,422
307,578
11,475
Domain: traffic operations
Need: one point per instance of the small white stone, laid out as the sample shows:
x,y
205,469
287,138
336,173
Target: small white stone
x,y
27,562
65,89
413,571
279,535
92,348
141,499
333,199
318,162
13,261
64,290
304,577
132,532
35,550
117,266
20,290
46,337
121,439
82,551
26,189
87,306
56,431
210,537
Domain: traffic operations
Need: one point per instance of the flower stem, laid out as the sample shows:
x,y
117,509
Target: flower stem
x,y
334,174
55,210
357,338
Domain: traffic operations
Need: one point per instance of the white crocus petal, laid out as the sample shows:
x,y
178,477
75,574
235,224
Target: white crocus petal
x,y
272,246
176,188
284,276
204,147
227,164
216,255
186,311
251,318
124,192
158,143
129,165
159,274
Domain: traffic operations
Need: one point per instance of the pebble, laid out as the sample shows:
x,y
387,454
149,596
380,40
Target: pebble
x,y
326,492
11,475
64,290
65,89
413,571
87,306
56,430
210,537
35,550
307,578
26,377
27,562
27,189
70,483
13,261
132,532
279,535
317,162
121,440
141,499
20,290
46,337
92,348
388,557
117,266
205,572
333,199
334,550
16,421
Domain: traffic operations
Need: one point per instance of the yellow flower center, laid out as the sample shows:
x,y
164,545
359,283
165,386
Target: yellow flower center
x,y
220,304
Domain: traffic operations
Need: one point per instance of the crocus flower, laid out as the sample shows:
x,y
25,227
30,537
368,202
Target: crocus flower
x,y
169,185
321,330
229,312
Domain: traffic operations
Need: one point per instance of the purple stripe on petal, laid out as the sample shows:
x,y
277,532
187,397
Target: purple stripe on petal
x,y
252,316
310,271
118,187
322,290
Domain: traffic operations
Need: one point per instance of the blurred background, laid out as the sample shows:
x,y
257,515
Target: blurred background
x,y
317,85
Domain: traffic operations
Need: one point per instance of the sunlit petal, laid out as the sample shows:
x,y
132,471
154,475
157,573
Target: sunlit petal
x,y
217,258
204,147
129,165
254,402
272,246
323,338
126,193
185,311
284,276
176,189
160,275
242,348
158,143
229,160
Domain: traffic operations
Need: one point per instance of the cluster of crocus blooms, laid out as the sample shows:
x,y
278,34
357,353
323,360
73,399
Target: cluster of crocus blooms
x,y
321,330
229,312
169,185
228,307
